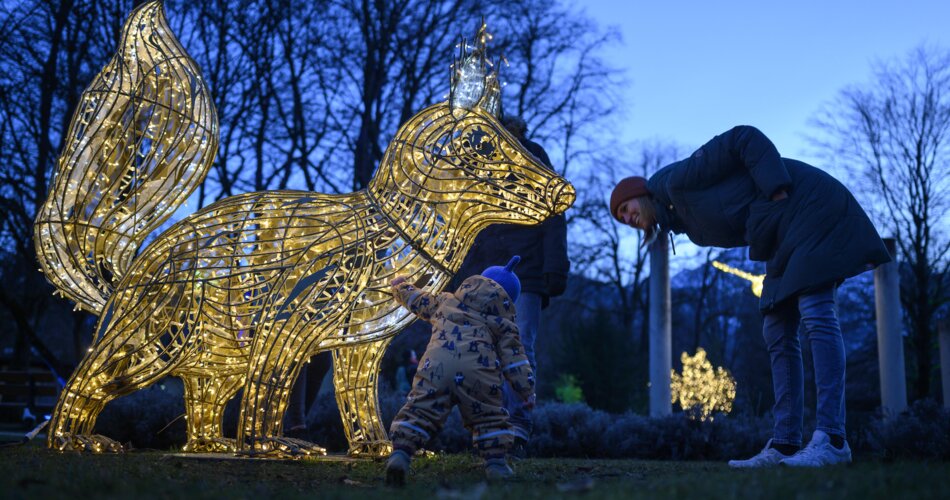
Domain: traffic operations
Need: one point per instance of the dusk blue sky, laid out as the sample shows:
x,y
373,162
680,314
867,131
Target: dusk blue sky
x,y
697,67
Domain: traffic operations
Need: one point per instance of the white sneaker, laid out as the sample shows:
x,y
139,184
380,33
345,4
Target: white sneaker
x,y
819,453
768,457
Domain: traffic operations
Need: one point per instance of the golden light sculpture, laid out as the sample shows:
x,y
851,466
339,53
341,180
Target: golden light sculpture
x,y
142,138
701,390
240,294
755,279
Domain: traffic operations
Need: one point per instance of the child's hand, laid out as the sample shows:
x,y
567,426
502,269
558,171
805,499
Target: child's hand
x,y
530,402
397,280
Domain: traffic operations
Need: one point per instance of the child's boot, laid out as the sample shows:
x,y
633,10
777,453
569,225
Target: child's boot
x,y
397,468
497,469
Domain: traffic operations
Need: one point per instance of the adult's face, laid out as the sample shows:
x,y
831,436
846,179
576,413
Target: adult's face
x,y
629,213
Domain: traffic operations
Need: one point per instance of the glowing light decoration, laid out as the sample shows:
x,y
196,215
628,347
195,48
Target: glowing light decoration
x,y
755,279
141,140
240,294
701,390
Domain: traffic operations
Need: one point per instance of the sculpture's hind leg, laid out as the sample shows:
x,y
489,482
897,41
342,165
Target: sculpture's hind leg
x,y
355,378
205,399
73,420
105,374
139,344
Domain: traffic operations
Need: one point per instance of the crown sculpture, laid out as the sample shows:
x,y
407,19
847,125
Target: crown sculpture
x,y
240,294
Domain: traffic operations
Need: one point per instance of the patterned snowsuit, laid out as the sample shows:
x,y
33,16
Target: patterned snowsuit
x,y
474,344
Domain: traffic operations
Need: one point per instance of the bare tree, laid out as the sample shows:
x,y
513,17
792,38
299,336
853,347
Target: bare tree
x,y
308,94
388,59
211,32
48,53
558,81
896,130
701,315
266,65
600,246
397,62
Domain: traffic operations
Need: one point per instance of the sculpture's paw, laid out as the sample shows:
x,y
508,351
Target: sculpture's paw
x,y
283,447
95,443
370,449
210,445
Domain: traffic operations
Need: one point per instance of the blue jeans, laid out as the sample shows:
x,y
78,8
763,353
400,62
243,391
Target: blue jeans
x,y
528,306
817,312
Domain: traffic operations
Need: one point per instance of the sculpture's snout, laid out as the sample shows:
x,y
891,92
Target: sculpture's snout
x,y
560,195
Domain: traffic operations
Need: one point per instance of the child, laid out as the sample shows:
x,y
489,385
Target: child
x,y
474,342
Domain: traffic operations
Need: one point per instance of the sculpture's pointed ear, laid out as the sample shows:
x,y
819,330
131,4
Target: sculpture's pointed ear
x,y
474,79
491,95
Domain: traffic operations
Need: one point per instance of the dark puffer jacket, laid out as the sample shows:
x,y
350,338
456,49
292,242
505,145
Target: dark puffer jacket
x,y
721,196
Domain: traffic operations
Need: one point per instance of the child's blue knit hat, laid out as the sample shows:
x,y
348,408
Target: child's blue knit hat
x,y
506,277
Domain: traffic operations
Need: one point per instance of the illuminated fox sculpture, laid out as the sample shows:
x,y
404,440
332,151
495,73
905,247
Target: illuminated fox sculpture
x,y
240,294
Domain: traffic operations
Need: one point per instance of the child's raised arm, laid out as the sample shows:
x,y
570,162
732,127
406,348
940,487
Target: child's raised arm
x,y
419,302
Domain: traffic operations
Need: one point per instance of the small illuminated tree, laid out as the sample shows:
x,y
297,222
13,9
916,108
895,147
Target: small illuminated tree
x,y
702,390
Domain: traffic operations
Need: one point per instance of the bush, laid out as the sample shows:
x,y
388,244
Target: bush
x,y
575,430
567,390
152,417
326,429
603,360
921,432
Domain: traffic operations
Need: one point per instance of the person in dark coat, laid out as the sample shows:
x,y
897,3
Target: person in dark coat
x,y
737,191
543,273
405,371
304,394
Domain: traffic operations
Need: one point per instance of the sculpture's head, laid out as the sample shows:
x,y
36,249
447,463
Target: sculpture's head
x,y
457,157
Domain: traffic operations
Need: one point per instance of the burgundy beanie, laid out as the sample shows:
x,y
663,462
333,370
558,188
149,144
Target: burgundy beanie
x,y
627,189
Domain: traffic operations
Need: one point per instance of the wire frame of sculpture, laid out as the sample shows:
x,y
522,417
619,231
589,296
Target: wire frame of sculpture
x,y
243,292
142,138
756,280
701,390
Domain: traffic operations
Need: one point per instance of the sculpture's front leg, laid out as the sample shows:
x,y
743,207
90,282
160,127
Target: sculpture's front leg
x,y
356,378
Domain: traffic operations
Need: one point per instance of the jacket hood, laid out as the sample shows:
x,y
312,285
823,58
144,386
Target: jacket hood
x,y
483,294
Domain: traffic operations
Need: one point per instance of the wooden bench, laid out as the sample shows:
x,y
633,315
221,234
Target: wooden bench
x,y
36,389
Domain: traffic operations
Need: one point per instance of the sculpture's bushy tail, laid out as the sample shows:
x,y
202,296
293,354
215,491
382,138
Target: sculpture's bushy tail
x,y
141,140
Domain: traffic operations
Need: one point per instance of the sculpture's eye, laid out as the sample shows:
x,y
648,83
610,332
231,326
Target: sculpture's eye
x,y
481,143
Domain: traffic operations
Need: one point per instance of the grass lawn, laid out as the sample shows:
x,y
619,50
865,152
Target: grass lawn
x,y
31,471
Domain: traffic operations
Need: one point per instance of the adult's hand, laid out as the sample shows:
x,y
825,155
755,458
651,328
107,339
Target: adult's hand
x,y
781,194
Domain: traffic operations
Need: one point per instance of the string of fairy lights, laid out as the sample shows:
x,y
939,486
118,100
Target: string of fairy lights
x,y
756,280
700,389
148,125
242,293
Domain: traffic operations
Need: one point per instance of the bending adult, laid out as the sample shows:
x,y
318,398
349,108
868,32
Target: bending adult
x,y
737,191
